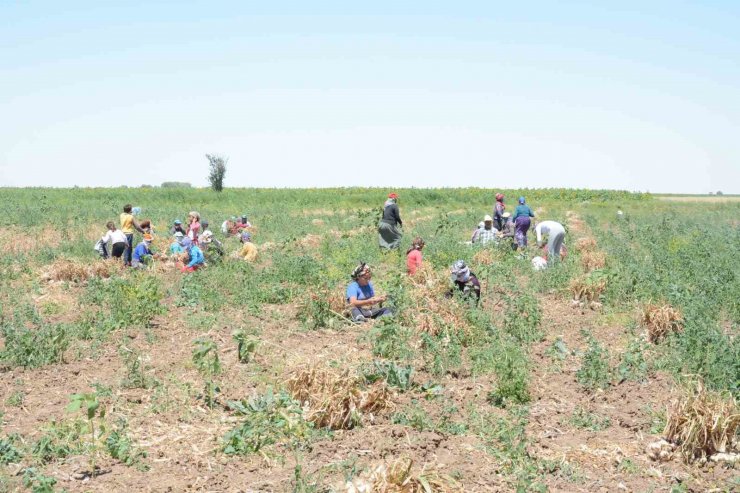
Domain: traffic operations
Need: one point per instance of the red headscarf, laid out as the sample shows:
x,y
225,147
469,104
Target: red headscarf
x,y
393,195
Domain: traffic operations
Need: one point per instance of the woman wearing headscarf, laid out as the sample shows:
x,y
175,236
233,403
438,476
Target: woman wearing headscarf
x,y
389,235
465,281
193,227
498,212
413,256
522,221
363,302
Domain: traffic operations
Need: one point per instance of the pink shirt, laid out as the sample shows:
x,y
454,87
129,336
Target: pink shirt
x,y
413,261
193,231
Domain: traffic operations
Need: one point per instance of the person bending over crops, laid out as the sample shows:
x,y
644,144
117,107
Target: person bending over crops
x,y
142,252
193,227
248,251
177,228
197,259
413,255
555,233
128,226
522,221
212,248
498,212
117,240
487,233
389,234
509,229
465,281
364,304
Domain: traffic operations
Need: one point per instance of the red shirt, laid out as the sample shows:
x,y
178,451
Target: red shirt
x,y
413,261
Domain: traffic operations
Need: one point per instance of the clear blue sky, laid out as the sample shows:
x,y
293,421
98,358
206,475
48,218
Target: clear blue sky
x,y
636,95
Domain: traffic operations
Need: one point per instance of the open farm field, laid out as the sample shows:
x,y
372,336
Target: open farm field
x,y
616,369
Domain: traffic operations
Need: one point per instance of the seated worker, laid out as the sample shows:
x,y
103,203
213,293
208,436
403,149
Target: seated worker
x,y
364,304
176,245
413,256
227,225
197,259
248,251
476,232
465,281
212,248
142,252
177,227
117,240
555,233
243,222
488,233
204,225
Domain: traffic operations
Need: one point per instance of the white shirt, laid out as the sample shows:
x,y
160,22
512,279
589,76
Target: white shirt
x,y
550,228
116,236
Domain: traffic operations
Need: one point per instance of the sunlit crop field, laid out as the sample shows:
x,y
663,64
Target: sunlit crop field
x,y
247,376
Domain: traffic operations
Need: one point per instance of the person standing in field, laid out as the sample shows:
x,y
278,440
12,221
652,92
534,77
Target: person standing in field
x,y
193,227
117,240
389,234
522,221
364,304
498,212
128,226
413,256
555,233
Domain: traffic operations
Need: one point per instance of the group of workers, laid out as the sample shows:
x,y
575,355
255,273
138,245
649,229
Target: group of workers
x,y
192,243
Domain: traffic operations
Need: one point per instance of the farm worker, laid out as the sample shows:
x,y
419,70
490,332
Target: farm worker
x,y
176,246
204,226
555,233
488,233
128,226
474,238
117,240
509,228
196,256
146,226
193,227
522,221
389,236
249,250
211,245
227,225
465,281
413,255
244,222
177,227
498,212
361,296
142,252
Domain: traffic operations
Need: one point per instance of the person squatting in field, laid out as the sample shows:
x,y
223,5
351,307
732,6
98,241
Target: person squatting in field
x,y
363,301
195,254
487,233
389,234
177,228
413,255
117,240
555,233
128,226
213,249
474,237
465,281
248,251
522,221
176,245
142,252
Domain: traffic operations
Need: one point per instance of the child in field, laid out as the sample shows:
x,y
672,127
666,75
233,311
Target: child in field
x,y
117,240
364,304
176,246
413,255
128,226
142,252
465,281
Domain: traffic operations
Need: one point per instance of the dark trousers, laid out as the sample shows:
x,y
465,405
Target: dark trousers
x,y
129,249
370,313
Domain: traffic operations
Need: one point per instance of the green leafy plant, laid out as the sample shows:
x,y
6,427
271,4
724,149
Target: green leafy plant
x,y
120,447
8,452
594,372
582,418
135,377
37,482
246,347
394,375
93,411
205,358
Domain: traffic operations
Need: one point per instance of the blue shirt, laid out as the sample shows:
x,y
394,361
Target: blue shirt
x,y
176,248
141,251
196,256
360,292
522,210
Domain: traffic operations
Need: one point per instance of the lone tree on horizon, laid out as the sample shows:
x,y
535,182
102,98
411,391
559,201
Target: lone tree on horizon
x,y
217,171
